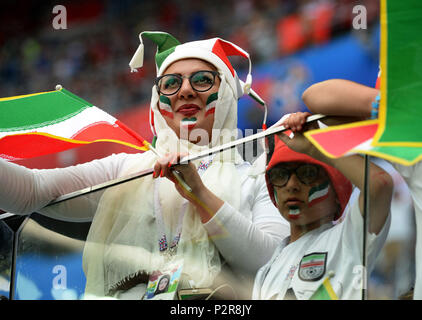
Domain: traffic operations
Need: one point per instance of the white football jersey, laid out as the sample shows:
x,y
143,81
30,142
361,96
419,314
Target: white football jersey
x,y
297,269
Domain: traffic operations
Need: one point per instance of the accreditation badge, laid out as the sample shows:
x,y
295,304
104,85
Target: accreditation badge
x,y
162,284
312,266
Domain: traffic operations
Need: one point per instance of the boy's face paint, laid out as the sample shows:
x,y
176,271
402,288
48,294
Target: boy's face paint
x,y
275,196
294,211
318,193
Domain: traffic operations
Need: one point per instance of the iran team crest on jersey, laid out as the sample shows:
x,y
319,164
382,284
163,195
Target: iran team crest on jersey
x,y
312,266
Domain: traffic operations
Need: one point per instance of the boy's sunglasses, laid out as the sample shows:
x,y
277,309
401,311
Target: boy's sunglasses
x,y
306,173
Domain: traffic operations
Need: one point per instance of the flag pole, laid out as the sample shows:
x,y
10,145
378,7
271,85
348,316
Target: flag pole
x,y
175,172
270,131
365,227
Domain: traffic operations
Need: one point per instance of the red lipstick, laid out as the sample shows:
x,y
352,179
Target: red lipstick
x,y
188,110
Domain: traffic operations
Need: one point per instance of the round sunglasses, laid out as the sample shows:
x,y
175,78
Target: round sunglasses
x,y
306,173
200,81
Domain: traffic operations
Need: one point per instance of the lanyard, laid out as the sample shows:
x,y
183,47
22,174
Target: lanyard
x,y
162,238
163,244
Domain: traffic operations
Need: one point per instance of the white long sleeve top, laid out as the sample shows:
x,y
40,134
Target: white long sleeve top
x,y
253,232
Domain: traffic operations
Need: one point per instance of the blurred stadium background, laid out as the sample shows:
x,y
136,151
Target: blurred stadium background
x,y
292,43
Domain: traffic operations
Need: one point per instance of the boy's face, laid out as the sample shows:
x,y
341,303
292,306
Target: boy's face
x,y
303,193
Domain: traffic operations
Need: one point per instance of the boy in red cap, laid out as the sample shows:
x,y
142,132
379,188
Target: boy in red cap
x,y
312,192
340,97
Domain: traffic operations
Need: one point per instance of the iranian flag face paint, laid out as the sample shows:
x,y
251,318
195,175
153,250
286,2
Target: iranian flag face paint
x,y
165,107
318,193
294,212
210,104
189,122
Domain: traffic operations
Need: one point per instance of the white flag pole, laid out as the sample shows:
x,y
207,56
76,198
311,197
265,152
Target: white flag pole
x,y
271,130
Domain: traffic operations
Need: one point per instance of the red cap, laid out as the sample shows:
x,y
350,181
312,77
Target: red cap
x,y
282,153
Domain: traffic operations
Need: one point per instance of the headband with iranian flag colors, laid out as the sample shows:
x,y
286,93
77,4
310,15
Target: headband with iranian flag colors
x,y
215,51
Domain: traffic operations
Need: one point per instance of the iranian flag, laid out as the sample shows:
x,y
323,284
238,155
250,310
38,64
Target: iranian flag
x,y
358,137
396,134
48,122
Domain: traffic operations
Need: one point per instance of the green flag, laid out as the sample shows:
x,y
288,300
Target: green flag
x,y
400,110
395,135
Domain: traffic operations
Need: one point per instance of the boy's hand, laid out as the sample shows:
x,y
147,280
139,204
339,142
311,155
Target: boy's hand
x,y
298,143
296,121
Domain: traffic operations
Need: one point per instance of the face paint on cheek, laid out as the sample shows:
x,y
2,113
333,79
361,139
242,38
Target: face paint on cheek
x,y
164,105
318,193
210,104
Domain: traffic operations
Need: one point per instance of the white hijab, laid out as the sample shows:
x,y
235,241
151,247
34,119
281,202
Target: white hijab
x,y
122,244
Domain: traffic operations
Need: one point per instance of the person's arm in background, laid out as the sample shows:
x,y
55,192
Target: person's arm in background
x,y
340,97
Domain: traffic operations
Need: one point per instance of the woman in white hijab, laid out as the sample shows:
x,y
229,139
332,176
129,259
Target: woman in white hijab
x,y
219,232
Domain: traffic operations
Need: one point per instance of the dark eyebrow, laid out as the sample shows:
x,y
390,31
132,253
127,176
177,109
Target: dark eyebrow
x,y
179,74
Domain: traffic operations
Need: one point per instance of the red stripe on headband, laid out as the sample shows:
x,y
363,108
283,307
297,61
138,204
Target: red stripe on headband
x,y
223,49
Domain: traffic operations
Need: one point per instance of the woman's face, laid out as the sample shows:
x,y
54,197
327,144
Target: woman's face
x,y
189,113
163,283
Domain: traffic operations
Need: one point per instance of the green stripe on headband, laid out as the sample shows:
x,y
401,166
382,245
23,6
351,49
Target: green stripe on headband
x,y
160,57
166,44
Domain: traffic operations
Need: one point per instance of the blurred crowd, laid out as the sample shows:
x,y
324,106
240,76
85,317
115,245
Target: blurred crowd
x,y
91,56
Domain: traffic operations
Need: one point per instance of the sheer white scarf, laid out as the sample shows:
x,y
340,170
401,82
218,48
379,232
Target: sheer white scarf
x,y
122,244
